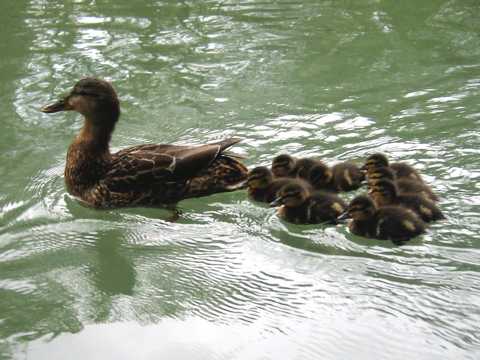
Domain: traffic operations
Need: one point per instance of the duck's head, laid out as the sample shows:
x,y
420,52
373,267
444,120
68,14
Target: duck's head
x,y
293,194
360,208
380,173
94,98
375,161
383,192
259,178
303,166
283,165
320,176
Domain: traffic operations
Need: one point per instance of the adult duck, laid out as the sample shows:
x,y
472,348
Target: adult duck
x,y
143,175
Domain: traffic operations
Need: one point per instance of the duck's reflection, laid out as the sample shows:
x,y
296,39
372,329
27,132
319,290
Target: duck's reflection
x,y
113,272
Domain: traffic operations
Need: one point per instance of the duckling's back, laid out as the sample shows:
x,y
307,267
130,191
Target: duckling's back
x,y
406,185
425,208
325,207
347,176
397,224
403,170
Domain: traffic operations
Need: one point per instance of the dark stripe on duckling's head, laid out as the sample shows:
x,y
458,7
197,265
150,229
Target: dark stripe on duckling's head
x,y
383,192
283,165
374,161
380,173
293,194
360,208
259,177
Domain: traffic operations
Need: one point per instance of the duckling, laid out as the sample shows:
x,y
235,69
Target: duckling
x,y
143,175
401,169
385,192
303,166
321,178
404,185
284,166
262,186
341,177
347,176
301,207
394,223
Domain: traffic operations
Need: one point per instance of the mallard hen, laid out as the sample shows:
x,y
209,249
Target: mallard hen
x,y
143,175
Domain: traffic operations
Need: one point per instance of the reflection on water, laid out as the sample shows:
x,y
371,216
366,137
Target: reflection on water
x,y
229,279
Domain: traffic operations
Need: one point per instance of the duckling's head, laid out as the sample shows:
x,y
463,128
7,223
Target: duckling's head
x,y
360,208
375,161
303,166
320,176
293,194
94,98
383,192
259,177
380,173
283,165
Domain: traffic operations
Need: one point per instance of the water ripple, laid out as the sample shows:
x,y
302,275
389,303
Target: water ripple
x,y
312,78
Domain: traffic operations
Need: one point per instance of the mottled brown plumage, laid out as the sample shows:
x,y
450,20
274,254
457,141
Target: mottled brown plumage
x,y
394,223
400,169
385,193
404,185
284,166
262,186
344,176
300,206
143,175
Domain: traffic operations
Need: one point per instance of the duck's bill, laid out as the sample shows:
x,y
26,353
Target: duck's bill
x,y
60,105
277,202
343,216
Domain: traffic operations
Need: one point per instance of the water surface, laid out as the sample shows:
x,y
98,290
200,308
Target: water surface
x,y
229,280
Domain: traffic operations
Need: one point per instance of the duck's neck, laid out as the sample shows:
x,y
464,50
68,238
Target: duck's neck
x,y
94,138
88,157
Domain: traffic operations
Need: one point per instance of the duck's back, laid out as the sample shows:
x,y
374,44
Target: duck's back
x,y
403,170
397,224
347,176
411,186
325,207
153,175
423,207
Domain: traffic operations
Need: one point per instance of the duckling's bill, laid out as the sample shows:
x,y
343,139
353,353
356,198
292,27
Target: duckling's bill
x,y
344,216
277,202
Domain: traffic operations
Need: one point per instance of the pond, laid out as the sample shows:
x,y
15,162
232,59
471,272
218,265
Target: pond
x,y
337,80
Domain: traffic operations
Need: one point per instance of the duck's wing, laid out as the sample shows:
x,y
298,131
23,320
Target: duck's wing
x,y
145,166
158,148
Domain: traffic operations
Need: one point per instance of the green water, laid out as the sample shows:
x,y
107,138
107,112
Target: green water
x,y
334,79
